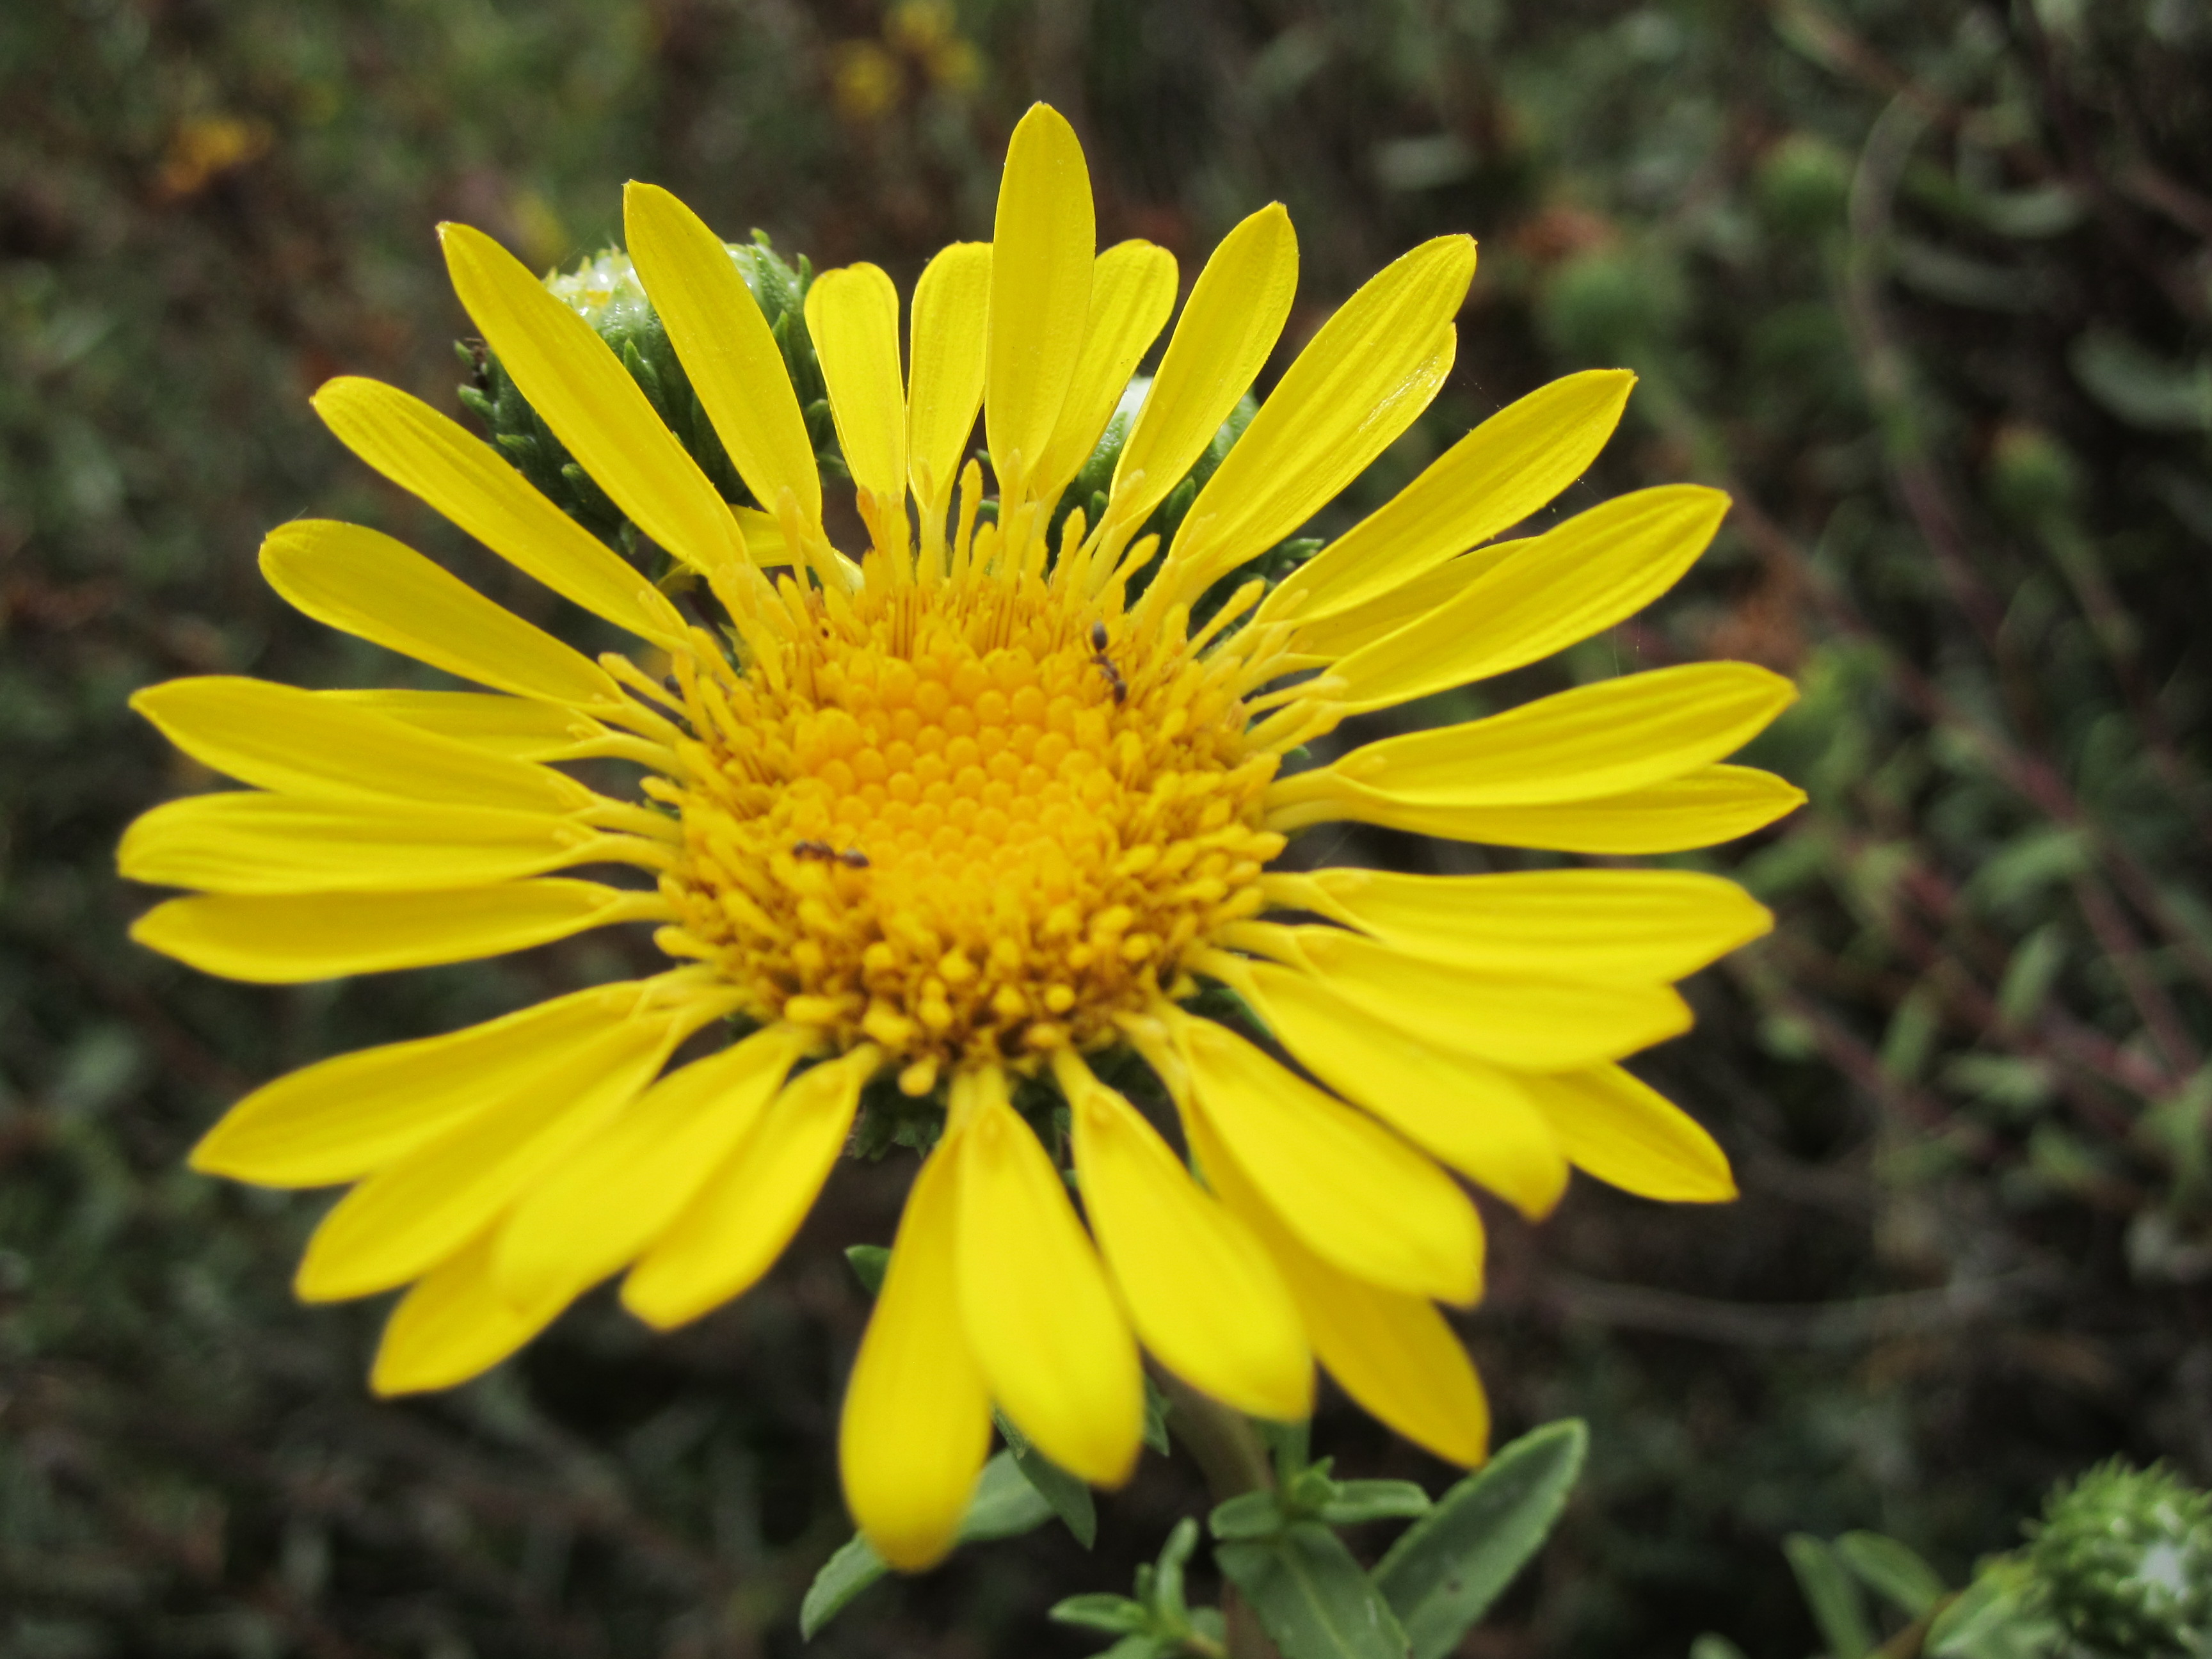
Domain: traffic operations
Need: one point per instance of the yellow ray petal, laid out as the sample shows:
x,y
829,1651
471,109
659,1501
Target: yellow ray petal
x,y
1391,1353
573,381
727,347
1230,323
1627,1133
1601,739
1351,1189
733,1231
952,317
917,1418
244,842
1471,1116
423,451
1041,1319
407,1218
617,1191
517,728
854,316
1343,632
342,1118
289,939
1132,290
455,1323
1203,1296
1562,587
1702,808
1360,381
1042,241
1489,481
370,586
1627,925
1511,1019
281,738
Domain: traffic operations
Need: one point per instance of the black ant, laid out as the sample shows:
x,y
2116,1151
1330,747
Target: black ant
x,y
812,849
852,858
1106,664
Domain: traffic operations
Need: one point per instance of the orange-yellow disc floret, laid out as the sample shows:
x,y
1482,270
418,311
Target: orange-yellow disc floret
x,y
965,822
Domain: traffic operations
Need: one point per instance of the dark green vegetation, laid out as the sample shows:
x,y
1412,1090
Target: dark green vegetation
x,y
1925,284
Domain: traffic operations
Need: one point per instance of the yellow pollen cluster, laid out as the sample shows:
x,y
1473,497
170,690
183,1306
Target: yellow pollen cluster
x,y
966,823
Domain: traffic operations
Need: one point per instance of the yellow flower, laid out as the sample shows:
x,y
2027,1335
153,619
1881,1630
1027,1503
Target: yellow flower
x,y
972,814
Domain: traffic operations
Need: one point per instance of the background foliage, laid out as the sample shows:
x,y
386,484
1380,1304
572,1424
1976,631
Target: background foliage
x,y
1925,283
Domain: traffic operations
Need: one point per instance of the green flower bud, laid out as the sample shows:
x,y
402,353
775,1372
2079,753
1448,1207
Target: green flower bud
x,y
2125,1557
1803,184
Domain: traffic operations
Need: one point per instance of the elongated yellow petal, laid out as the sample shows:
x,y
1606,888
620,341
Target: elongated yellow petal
x,y
1041,1319
1627,1133
406,1218
466,480
244,842
1360,381
1510,1019
725,346
1353,1190
1230,323
617,1192
1627,925
281,738
517,728
1042,242
374,588
1391,1353
1489,481
1601,739
1702,808
854,316
455,1323
1201,1293
1132,290
573,381
1471,1116
949,327
1562,587
289,940
342,1118
733,1231
917,1417
1343,632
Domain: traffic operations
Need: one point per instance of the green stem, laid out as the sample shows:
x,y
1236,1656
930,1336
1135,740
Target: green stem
x,y
1234,1461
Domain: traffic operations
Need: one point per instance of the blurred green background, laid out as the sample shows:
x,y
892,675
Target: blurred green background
x,y
1924,284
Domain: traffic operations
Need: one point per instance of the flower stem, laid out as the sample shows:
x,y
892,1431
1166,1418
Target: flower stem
x,y
1230,1455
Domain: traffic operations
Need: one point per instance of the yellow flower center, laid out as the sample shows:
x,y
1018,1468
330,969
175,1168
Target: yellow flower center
x,y
969,822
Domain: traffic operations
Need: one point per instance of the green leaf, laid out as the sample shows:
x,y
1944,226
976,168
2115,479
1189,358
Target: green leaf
x,y
1713,1646
1832,1598
1374,1500
2001,1615
1311,1597
1450,1565
1155,1417
869,1263
1069,1498
1891,1570
1101,1611
1004,1505
1248,1514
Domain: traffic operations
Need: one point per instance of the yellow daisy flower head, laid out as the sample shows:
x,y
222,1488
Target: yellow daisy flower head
x,y
966,825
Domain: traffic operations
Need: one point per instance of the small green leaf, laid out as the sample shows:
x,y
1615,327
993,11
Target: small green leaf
x,y
1374,1500
2001,1615
1891,1570
869,1263
1138,1647
1004,1505
1069,1498
1248,1514
1713,1646
1155,1417
1117,1614
1311,1597
1450,1565
1832,1598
